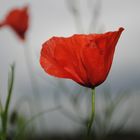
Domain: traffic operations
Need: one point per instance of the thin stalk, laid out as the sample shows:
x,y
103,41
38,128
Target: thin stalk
x,y
6,109
91,119
34,83
1,107
1,111
30,69
74,10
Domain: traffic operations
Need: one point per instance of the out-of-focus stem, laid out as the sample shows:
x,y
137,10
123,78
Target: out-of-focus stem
x,y
6,109
95,16
91,119
30,69
1,108
32,77
74,10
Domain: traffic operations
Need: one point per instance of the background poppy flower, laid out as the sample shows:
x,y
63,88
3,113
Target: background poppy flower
x,y
17,19
86,59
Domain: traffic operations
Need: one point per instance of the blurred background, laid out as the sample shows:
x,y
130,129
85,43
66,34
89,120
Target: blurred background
x,y
64,105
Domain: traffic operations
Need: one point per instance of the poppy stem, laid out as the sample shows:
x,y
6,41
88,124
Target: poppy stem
x,y
29,60
91,119
1,107
5,112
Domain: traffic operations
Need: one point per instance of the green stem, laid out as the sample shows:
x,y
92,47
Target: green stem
x,y
91,119
1,107
5,113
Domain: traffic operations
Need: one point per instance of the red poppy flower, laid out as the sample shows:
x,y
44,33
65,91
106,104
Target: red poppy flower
x,y
86,59
17,19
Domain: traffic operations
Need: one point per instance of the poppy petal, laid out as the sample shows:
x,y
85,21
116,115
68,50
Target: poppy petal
x,y
86,59
17,19
57,59
101,56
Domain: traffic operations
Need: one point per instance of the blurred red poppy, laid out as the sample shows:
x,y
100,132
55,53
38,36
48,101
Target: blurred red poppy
x,y
17,19
86,59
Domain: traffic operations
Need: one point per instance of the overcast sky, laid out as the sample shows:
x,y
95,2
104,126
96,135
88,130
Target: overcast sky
x,y
52,18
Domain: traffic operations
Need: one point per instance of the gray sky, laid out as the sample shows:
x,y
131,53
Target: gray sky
x,y
52,18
